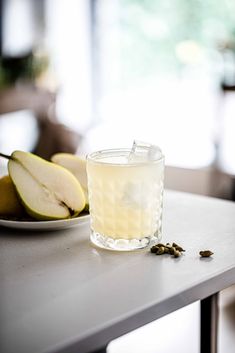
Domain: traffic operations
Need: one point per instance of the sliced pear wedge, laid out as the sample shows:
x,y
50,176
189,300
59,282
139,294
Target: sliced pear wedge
x,y
9,201
77,166
48,191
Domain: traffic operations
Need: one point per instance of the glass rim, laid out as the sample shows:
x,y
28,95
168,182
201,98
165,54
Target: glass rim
x,y
94,157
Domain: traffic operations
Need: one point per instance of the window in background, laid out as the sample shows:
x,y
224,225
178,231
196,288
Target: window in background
x,y
160,67
68,41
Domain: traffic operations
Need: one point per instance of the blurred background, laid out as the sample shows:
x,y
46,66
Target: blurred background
x,y
82,75
92,74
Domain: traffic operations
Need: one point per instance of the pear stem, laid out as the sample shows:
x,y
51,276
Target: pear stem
x,y
5,156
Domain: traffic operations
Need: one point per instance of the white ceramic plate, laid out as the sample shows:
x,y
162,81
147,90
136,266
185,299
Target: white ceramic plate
x,y
46,225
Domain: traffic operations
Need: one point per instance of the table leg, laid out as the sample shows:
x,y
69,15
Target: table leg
x,y
209,324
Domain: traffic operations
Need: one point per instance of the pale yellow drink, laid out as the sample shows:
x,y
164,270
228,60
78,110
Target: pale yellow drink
x,y
125,200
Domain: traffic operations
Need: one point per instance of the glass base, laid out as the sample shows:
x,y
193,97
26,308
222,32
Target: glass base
x,y
122,244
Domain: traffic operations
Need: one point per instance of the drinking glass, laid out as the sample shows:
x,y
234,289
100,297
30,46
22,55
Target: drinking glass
x,y
125,199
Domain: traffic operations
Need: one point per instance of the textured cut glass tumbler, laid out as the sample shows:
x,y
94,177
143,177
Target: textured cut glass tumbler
x,y
125,200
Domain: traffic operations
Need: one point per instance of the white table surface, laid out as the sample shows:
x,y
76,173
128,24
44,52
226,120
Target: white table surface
x,y
58,293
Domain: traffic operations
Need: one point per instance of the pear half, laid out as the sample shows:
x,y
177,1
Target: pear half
x,y
9,201
77,166
47,191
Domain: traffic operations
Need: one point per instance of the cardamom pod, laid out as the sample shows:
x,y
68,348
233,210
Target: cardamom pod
x,y
205,253
160,250
178,247
177,253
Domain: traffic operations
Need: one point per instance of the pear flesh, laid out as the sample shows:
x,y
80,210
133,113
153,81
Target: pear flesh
x,y
47,191
77,166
